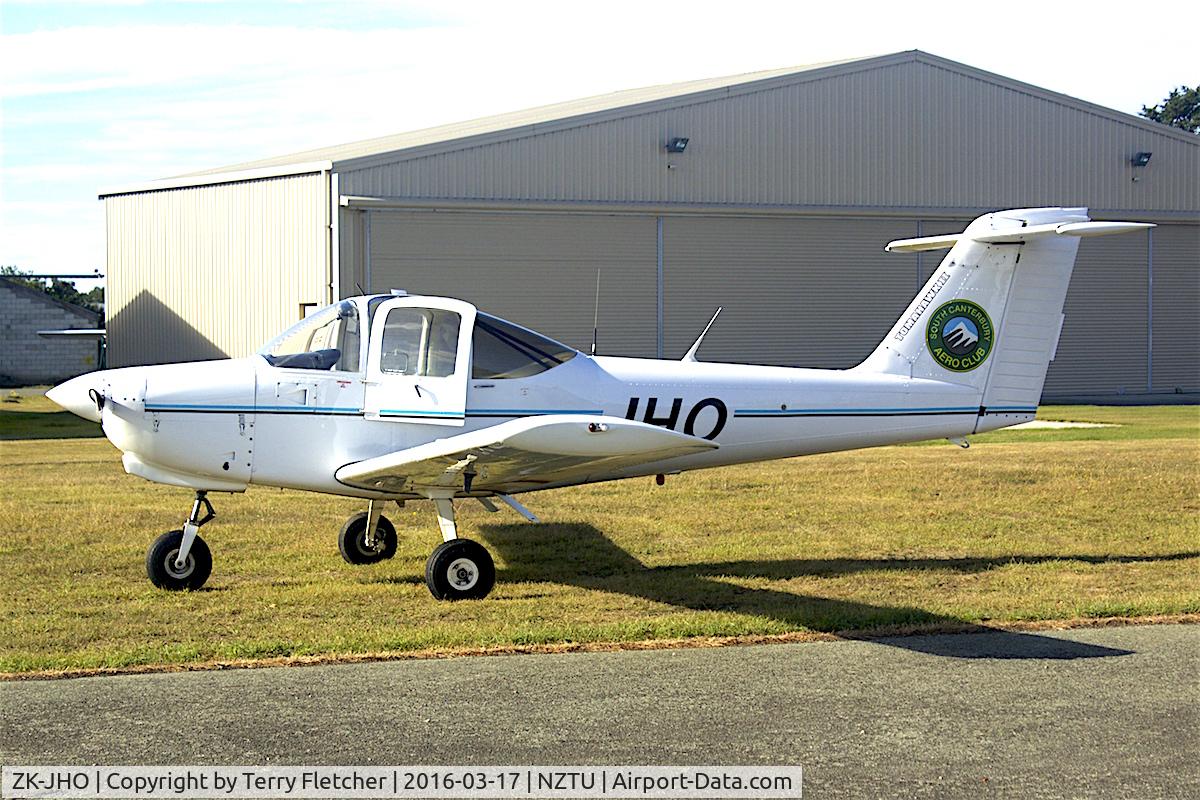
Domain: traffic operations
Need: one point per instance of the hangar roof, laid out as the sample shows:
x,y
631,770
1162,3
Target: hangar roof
x,y
520,126
528,121
584,111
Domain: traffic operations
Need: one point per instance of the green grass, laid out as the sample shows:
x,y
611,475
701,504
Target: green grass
x,y
32,416
1129,423
1037,525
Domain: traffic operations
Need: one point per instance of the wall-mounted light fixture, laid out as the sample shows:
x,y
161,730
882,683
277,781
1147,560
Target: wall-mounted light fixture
x,y
1140,159
677,144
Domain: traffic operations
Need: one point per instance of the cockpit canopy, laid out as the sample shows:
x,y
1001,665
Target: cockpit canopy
x,y
416,341
327,339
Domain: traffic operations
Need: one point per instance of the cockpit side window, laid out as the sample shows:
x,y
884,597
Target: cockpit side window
x,y
328,339
420,341
500,350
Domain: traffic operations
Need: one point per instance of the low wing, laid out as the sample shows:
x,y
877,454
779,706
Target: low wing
x,y
522,454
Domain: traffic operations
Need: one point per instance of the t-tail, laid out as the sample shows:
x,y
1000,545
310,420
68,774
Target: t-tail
x,y
990,316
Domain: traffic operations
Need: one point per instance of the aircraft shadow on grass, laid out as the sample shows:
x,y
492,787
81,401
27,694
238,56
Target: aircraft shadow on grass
x,y
578,554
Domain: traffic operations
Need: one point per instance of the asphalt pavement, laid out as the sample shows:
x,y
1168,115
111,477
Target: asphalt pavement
x,y
1103,712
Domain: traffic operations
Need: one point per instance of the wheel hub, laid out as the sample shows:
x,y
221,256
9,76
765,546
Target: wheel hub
x,y
463,574
179,572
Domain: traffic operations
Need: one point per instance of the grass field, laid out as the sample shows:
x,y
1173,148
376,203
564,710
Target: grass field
x,y
32,416
1036,525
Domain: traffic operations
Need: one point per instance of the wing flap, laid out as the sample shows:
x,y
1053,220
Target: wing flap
x,y
521,454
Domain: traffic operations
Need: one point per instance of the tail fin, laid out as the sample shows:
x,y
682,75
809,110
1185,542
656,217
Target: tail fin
x,y
991,314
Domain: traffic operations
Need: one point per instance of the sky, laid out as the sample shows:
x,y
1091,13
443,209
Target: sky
x,y
95,95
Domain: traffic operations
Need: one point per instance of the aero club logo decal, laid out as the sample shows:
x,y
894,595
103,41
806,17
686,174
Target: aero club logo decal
x,y
960,335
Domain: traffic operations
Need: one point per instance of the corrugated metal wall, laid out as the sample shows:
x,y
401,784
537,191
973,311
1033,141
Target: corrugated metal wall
x,y
796,292
212,271
1102,348
807,292
908,135
1176,297
538,270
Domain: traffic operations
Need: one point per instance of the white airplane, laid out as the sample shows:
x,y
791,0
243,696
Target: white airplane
x,y
397,398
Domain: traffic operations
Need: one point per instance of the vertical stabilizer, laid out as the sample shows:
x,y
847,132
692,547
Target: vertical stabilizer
x,y
990,315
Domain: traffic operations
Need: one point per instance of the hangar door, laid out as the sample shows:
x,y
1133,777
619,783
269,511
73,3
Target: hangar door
x,y
1176,282
1102,347
806,292
538,270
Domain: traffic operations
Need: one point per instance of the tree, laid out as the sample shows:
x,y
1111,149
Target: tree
x,y
1181,109
59,290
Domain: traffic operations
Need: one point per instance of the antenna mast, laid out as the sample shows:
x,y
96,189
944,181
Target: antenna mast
x,y
596,313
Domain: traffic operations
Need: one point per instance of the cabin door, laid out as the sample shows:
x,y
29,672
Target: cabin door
x,y
419,360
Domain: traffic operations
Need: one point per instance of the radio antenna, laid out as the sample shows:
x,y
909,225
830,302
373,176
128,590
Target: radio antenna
x,y
596,313
695,348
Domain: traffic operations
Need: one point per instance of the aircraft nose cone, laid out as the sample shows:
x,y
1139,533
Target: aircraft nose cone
x,y
75,396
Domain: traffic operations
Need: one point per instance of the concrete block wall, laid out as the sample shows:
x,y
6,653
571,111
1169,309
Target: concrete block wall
x,y
25,357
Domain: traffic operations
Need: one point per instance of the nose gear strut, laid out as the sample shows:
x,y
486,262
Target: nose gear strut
x,y
193,525
180,559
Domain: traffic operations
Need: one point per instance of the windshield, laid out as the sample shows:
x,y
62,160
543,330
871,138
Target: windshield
x,y
501,349
327,339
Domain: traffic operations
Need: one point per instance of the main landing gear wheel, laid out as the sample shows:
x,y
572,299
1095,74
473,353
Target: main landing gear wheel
x,y
166,574
353,541
460,569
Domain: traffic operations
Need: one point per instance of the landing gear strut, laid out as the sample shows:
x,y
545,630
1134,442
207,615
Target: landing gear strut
x,y
459,569
180,559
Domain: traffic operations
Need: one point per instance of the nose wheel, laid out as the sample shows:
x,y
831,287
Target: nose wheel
x,y
362,543
180,559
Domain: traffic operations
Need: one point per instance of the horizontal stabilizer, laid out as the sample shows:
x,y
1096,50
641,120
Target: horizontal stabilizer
x,y
1063,229
1016,235
923,243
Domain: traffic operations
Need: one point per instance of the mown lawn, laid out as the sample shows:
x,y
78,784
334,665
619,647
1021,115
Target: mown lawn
x,y
1029,525
27,415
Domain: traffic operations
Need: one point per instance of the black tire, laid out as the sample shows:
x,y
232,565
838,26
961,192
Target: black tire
x,y
352,541
460,570
160,563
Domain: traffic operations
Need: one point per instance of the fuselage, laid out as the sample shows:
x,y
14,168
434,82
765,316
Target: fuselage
x,y
224,425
